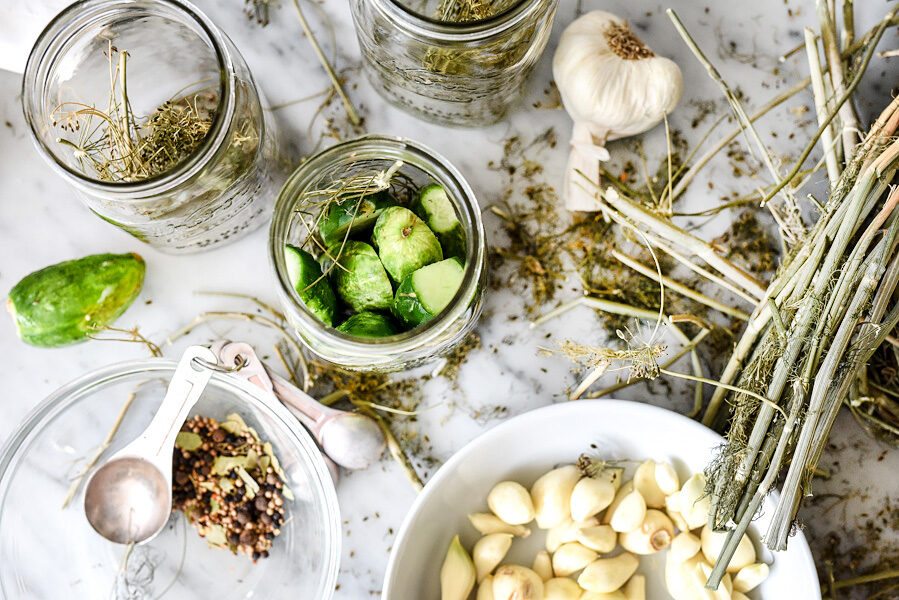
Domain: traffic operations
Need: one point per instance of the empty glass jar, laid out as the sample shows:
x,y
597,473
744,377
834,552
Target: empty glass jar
x,y
455,62
151,113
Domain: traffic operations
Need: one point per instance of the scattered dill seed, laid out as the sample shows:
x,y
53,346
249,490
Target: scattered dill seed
x,y
258,10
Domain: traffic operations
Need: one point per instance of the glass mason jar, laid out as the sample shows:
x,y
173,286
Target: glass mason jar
x,y
295,216
456,73
178,62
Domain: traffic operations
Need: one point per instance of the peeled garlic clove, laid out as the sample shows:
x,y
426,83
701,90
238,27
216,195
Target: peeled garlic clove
x,y
667,479
551,495
606,575
693,502
601,538
724,588
635,588
684,546
590,496
645,483
514,582
653,535
489,551
676,579
713,542
487,523
571,558
738,596
629,514
561,588
622,492
677,519
457,576
543,565
485,589
748,578
566,531
511,502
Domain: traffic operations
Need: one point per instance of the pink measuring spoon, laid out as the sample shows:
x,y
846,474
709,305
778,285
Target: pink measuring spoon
x,y
352,440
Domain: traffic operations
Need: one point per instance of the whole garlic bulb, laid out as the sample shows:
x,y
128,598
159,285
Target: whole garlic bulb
x,y
613,86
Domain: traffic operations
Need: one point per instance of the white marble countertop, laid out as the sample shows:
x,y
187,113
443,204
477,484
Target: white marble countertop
x,y
41,222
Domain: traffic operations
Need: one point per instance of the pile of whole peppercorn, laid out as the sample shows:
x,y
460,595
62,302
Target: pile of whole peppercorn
x,y
229,484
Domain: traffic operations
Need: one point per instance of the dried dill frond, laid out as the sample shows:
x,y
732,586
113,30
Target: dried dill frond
x,y
640,358
114,145
466,11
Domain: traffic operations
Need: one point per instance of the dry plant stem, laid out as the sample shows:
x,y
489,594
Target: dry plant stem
x,y
260,303
820,96
791,223
393,446
675,235
891,574
679,287
335,82
664,247
76,483
863,65
849,121
688,348
790,495
591,378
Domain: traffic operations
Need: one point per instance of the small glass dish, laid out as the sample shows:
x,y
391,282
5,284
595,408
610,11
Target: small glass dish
x,y
448,67
295,218
198,168
47,551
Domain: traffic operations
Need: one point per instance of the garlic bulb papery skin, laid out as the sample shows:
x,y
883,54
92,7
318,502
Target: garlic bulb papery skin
x,y
612,86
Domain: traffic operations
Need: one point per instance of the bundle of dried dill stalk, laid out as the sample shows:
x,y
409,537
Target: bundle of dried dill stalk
x,y
828,309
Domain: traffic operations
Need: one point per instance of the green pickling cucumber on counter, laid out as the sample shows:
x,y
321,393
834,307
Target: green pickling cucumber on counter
x,y
404,242
305,275
369,325
64,303
425,293
353,214
433,206
360,280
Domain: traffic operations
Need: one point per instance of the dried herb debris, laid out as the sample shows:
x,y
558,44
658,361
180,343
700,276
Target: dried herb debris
x,y
229,484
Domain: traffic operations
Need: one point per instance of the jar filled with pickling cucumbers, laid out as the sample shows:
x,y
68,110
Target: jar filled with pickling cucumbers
x,y
379,254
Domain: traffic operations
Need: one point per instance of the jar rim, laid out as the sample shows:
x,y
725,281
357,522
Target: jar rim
x,y
409,340
427,27
62,28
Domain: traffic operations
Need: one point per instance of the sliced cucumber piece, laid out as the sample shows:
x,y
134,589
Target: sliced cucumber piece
x,y
404,242
369,325
305,275
344,215
360,279
434,207
425,293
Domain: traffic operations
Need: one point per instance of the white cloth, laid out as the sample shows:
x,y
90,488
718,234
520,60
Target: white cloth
x,y
21,22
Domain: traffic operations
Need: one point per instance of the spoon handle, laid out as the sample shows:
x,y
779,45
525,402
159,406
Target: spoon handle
x,y
185,388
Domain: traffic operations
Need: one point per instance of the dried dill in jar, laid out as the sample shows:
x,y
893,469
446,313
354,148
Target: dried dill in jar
x,y
458,62
158,126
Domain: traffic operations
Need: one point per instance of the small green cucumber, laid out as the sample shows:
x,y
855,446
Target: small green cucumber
x,y
305,275
369,325
64,303
433,206
360,279
425,293
404,242
344,215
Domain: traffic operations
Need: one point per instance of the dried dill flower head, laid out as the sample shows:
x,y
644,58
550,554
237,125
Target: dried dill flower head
x,y
175,131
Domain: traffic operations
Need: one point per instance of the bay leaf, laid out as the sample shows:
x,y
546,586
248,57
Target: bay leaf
x,y
188,440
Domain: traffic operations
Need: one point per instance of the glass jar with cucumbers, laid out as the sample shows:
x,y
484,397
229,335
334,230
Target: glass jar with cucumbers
x,y
379,254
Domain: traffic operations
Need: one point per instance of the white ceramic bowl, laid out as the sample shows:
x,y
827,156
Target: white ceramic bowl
x,y
527,446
